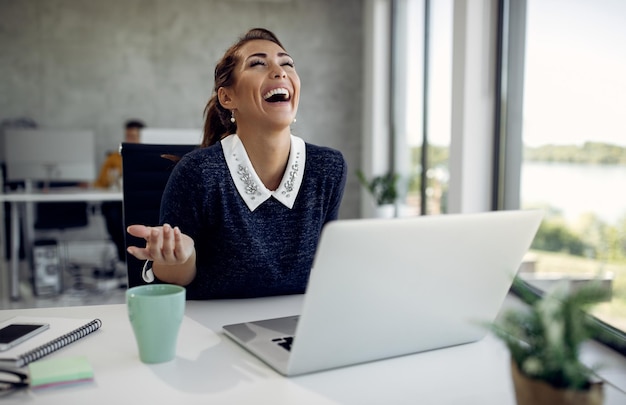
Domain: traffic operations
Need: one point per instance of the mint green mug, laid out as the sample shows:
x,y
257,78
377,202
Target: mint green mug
x,y
156,312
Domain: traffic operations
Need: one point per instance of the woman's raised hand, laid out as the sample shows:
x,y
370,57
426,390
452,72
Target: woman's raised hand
x,y
164,244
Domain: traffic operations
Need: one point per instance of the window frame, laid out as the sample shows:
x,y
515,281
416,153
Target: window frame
x,y
500,179
508,144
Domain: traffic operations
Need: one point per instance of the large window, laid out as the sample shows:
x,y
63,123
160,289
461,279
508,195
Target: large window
x,y
564,92
422,103
574,137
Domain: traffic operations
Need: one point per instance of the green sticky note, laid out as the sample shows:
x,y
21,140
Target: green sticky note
x,y
60,371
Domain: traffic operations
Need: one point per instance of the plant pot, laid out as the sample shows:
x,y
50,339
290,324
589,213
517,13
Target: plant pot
x,y
529,391
385,211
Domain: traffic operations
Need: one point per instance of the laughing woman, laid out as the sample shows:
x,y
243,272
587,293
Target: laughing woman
x,y
242,215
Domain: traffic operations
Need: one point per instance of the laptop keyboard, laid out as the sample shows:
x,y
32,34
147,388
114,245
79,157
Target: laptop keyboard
x,y
284,342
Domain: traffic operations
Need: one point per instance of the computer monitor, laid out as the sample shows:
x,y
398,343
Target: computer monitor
x,y
171,136
50,155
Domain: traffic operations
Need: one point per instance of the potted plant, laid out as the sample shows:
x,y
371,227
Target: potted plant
x,y
544,341
384,189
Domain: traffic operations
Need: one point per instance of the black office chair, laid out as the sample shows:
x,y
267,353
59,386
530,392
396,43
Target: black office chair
x,y
145,171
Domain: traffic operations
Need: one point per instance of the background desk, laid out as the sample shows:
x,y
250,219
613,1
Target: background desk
x,y
211,369
18,202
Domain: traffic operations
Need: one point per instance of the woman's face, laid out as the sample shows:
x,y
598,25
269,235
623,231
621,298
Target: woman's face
x,y
267,87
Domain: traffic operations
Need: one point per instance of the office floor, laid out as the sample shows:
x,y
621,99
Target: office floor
x,y
78,288
86,247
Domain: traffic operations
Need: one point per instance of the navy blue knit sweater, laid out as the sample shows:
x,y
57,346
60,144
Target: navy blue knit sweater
x,y
243,253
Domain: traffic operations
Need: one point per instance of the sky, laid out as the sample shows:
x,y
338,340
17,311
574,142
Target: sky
x,y
575,73
575,80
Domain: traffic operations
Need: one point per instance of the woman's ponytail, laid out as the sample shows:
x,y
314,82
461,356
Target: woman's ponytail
x,y
217,123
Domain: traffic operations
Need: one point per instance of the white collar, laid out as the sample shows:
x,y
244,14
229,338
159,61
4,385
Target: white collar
x,y
248,183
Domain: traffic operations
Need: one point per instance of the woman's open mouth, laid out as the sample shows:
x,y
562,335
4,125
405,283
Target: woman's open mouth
x,y
277,95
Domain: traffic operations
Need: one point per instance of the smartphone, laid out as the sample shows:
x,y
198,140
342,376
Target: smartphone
x,y
15,333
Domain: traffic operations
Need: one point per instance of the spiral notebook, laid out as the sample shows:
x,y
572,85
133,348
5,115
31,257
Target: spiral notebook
x,y
62,332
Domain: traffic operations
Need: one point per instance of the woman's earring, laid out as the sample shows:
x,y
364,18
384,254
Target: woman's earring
x,y
294,120
232,116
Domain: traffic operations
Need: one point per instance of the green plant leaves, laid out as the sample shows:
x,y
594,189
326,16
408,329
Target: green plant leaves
x,y
383,188
544,340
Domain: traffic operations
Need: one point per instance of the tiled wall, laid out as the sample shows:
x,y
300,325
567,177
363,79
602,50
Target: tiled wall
x,y
94,64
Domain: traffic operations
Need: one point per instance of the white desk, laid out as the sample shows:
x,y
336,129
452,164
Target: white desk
x,y
18,201
210,369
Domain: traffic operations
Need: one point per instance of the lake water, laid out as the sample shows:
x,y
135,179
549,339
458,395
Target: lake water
x,y
576,189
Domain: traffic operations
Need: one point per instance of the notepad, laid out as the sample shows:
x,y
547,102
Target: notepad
x,y
52,372
62,332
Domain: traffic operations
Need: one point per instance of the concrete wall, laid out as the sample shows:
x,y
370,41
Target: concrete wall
x,y
94,64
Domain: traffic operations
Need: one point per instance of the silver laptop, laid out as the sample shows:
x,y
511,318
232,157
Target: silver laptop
x,y
381,288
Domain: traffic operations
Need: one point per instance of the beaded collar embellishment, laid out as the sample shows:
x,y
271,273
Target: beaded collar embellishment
x,y
248,183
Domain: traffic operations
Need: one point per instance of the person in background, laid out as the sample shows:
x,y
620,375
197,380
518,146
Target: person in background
x,y
111,170
242,215
110,177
